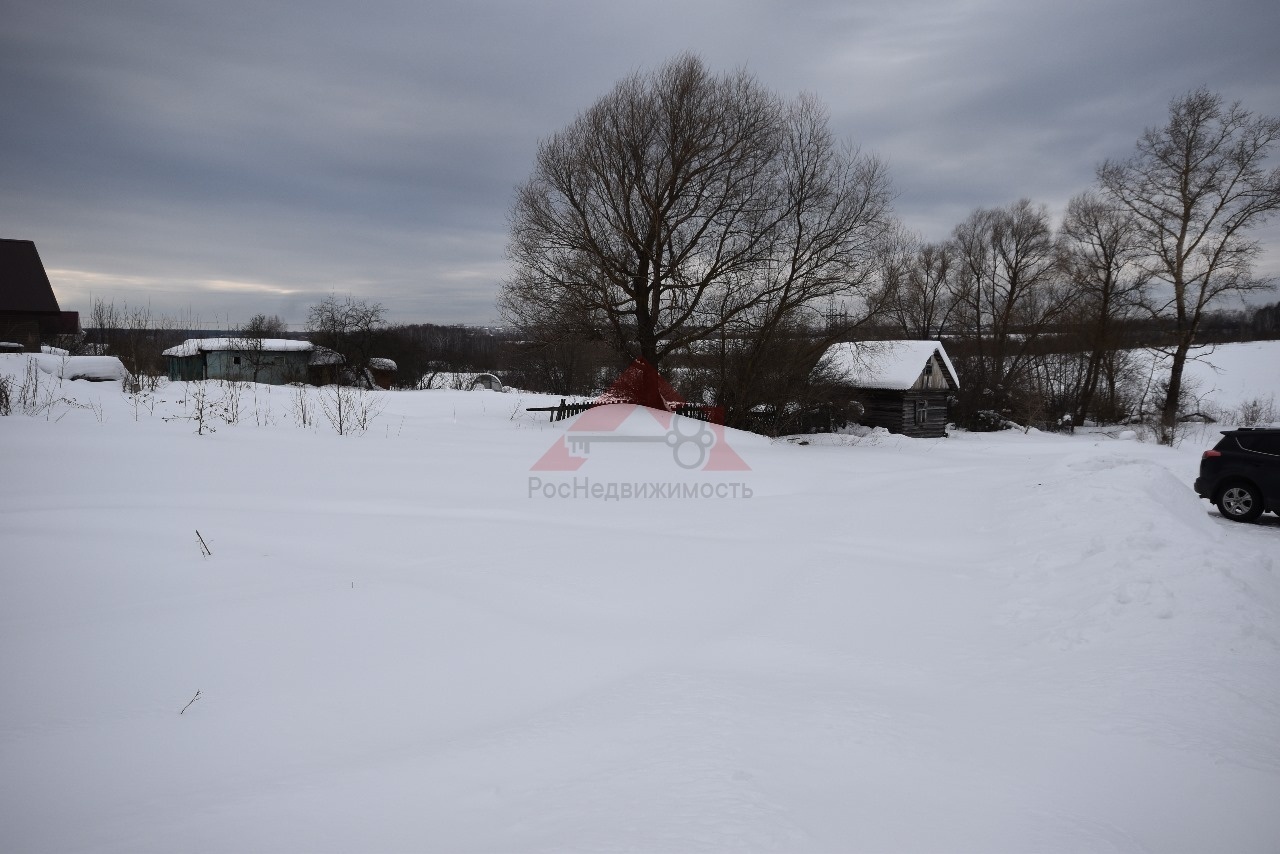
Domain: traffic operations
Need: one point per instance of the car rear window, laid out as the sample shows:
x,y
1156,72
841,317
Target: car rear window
x,y
1262,443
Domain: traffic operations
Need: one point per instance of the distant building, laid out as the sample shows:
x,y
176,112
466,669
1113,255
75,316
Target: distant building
x,y
381,372
29,312
903,386
487,381
274,361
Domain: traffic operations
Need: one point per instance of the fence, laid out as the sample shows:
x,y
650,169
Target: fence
x,y
700,412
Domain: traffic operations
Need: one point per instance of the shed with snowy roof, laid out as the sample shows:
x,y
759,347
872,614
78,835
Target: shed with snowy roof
x,y
381,372
274,361
904,386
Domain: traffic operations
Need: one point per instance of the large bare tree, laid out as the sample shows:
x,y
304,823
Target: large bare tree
x,y
920,284
686,206
1008,291
1101,255
1195,187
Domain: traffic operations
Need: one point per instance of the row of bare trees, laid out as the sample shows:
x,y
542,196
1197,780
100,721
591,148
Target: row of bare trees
x,y
1037,319
352,328
720,232
1041,321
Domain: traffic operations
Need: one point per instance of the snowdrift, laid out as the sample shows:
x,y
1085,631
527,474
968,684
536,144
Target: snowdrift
x,y
92,368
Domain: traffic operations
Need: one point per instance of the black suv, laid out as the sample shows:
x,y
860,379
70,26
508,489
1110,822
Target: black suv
x,y
1242,473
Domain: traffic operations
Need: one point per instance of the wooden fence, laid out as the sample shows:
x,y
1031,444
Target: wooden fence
x,y
710,414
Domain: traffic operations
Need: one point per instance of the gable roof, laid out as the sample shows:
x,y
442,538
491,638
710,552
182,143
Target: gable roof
x,y
893,365
24,285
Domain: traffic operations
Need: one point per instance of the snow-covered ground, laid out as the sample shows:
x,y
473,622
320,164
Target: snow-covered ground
x,y
1001,642
1226,377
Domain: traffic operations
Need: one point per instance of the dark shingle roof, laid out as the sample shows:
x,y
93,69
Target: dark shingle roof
x,y
24,286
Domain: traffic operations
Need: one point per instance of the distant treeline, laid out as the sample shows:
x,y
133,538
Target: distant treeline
x,y
1063,372
423,349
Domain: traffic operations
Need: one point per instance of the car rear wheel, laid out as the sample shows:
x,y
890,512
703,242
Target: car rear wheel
x,y
1240,502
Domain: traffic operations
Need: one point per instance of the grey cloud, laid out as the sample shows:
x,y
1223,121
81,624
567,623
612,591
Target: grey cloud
x,y
373,149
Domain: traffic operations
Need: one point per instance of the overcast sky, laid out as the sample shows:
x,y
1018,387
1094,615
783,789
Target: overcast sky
x,y
219,159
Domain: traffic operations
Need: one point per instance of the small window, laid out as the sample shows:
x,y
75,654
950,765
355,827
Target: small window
x,y
922,412
235,360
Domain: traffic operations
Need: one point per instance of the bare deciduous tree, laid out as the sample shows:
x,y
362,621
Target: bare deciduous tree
x,y
1008,292
350,327
1101,257
920,286
685,207
1195,187
250,341
137,337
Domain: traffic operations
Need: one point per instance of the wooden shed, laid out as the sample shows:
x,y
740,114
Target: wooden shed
x,y
382,372
274,361
903,386
325,367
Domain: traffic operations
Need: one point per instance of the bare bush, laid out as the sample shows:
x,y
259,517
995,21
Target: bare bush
x,y
201,408
35,397
350,409
263,414
368,407
137,337
301,406
1255,412
231,406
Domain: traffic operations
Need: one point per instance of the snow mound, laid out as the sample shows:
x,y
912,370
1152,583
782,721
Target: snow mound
x,y
92,368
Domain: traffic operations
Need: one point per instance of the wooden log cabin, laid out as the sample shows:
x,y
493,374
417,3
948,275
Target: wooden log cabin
x,y
903,386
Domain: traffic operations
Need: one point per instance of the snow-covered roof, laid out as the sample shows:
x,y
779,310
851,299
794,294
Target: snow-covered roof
x,y
892,365
195,346
95,368
381,364
325,356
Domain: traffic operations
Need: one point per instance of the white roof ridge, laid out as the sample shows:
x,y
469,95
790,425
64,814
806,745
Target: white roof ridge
x,y
891,365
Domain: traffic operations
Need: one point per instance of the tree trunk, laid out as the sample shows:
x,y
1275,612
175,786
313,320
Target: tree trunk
x,y
1169,416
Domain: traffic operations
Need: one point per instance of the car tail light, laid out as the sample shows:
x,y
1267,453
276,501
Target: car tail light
x,y
1210,454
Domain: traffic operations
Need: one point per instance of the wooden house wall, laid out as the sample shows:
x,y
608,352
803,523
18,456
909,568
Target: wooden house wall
x,y
896,412
934,377
186,368
324,374
283,367
274,367
18,331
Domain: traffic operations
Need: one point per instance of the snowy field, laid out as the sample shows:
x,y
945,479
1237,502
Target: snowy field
x,y
1226,377
1001,643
